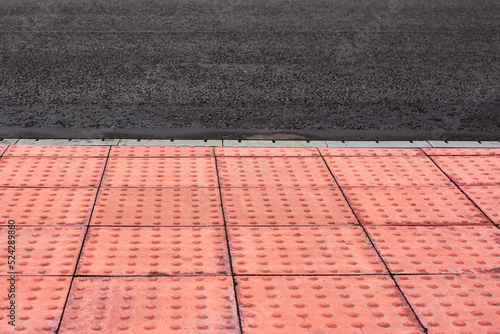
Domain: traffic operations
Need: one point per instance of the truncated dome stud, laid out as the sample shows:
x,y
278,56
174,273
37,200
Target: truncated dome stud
x,y
151,305
455,303
158,207
57,151
335,304
51,172
413,206
160,151
39,304
471,170
397,171
286,206
44,250
154,251
160,172
274,172
47,206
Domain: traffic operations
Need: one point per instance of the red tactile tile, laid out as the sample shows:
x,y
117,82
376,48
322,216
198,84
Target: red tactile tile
x,y
151,305
274,172
161,172
386,171
462,151
158,207
39,303
160,151
154,250
413,206
333,304
51,172
302,250
286,206
455,303
56,151
2,149
471,170
266,152
487,198
442,249
46,206
368,152
43,250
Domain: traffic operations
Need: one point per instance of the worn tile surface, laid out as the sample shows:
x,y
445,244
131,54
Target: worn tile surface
x,y
157,239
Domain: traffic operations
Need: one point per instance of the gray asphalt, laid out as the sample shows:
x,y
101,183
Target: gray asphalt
x,y
260,64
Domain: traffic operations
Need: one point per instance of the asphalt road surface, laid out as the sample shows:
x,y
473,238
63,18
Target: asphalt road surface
x,y
377,65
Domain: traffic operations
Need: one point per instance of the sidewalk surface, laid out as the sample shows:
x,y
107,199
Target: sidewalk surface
x,y
122,239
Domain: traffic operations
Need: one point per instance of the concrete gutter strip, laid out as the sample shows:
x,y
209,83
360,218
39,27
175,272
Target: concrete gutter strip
x,y
207,134
254,143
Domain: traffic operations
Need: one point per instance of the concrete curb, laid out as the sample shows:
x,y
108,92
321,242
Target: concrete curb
x,y
254,143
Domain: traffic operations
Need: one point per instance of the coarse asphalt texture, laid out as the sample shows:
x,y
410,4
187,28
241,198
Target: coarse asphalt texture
x,y
273,65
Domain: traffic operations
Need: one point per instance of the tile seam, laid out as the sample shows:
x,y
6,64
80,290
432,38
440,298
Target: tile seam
x,y
240,187
4,151
463,192
231,269
83,242
376,250
247,226
252,226
266,275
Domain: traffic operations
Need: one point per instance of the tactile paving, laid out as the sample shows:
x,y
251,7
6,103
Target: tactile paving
x,y
3,148
302,251
160,151
39,303
158,207
46,206
413,206
462,151
369,152
333,304
487,198
151,305
442,249
455,303
274,172
43,250
73,142
154,251
386,171
471,170
266,152
57,151
161,172
286,206
50,172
